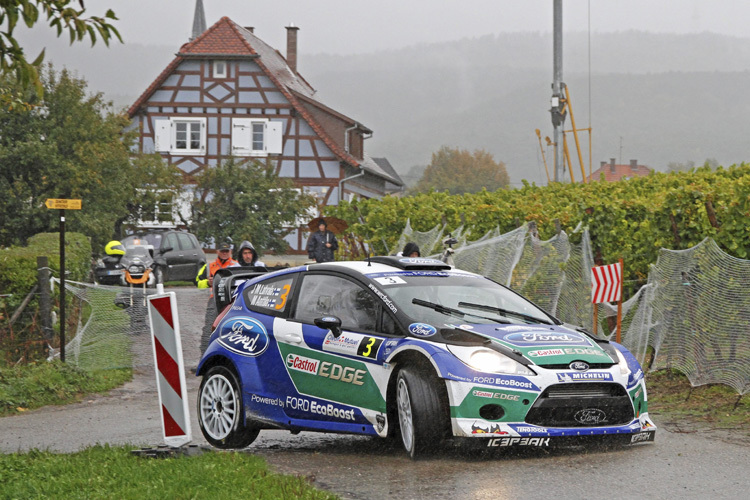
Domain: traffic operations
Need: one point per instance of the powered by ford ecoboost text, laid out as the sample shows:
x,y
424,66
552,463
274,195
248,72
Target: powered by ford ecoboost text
x,y
409,346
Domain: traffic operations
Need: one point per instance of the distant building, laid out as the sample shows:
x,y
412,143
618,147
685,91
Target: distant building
x,y
613,172
229,93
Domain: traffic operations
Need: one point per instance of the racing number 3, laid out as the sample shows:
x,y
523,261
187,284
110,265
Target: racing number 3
x,y
369,346
283,297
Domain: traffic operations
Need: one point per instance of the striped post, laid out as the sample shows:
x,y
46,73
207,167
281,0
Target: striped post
x,y
170,369
606,286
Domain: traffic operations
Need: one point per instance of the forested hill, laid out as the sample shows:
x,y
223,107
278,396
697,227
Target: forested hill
x,y
657,98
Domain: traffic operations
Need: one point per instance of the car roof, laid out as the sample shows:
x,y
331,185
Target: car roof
x,y
366,268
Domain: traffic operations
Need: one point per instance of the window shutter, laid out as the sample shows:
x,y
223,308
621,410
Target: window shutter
x,y
203,134
242,136
273,138
162,135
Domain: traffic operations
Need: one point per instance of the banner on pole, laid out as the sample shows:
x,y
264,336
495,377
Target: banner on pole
x,y
170,369
606,283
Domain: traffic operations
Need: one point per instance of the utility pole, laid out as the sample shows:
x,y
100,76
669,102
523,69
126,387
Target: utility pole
x,y
557,102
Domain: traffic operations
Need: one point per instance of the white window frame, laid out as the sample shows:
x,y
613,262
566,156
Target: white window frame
x,y
244,138
220,69
165,135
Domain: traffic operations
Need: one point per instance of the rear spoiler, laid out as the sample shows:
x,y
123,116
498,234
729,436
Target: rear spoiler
x,y
228,279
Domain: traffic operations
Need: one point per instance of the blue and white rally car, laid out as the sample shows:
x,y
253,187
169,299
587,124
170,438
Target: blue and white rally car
x,y
409,347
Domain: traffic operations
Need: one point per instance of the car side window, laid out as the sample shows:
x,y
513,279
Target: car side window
x,y
185,242
322,295
270,296
171,241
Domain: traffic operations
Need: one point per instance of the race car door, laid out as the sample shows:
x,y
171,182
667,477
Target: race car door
x,y
342,378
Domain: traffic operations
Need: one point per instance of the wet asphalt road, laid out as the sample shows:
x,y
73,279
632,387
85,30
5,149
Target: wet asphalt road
x,y
682,465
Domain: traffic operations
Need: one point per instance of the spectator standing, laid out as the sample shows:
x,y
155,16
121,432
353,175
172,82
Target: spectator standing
x,y
322,243
247,255
205,279
410,250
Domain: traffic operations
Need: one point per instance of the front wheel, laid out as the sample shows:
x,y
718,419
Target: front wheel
x,y
421,412
220,413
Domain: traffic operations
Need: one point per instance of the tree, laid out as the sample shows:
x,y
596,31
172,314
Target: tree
x,y
247,202
61,16
458,171
71,145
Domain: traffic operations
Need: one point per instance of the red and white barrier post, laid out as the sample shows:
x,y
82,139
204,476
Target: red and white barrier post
x,y
170,368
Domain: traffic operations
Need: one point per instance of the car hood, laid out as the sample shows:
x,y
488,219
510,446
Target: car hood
x,y
546,344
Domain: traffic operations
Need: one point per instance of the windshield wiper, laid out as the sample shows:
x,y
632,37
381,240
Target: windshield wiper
x,y
505,312
449,310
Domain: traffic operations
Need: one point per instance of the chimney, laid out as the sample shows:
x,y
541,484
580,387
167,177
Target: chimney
x,y
633,165
612,165
602,164
291,46
251,29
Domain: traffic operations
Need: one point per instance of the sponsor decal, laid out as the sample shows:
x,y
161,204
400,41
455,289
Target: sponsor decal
x,y
302,364
646,425
495,395
243,335
517,441
353,345
536,338
642,437
458,377
579,365
236,308
590,416
520,383
638,393
579,376
390,280
346,374
422,330
483,394
328,410
546,352
517,328
418,260
267,401
493,429
386,300
530,429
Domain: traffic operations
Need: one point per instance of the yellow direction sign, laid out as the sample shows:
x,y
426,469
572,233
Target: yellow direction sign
x,y
63,204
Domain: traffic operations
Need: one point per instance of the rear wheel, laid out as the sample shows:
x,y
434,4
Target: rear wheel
x,y
422,417
220,411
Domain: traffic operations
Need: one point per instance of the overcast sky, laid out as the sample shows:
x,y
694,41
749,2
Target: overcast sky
x,y
355,26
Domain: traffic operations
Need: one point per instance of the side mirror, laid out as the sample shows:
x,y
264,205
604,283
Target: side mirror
x,y
329,323
165,250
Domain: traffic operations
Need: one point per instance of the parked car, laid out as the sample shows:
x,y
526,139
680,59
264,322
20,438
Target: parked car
x,y
409,347
177,254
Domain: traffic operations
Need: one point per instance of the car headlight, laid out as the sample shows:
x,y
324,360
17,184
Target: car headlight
x,y
623,364
488,361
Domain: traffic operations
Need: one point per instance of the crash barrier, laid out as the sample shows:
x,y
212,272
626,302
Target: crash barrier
x,y
694,311
113,330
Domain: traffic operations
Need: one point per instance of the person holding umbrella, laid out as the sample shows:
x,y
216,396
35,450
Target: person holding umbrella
x,y
322,243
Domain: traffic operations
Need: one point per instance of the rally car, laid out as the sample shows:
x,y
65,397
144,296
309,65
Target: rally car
x,y
409,347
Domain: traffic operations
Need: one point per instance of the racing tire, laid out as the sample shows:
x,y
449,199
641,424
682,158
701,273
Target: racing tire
x,y
220,411
421,412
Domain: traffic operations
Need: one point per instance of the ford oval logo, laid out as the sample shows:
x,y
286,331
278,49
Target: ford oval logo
x,y
590,416
579,365
422,330
243,335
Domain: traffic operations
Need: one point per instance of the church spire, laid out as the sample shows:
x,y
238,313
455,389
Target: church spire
x,y
199,20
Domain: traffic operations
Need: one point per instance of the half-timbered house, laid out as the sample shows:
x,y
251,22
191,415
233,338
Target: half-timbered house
x,y
228,93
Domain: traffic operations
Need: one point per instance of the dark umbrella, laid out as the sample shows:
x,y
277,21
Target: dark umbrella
x,y
335,225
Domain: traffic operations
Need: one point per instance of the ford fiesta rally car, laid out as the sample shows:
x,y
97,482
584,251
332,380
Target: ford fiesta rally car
x,y
409,347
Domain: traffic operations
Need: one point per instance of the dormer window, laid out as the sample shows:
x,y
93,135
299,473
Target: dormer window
x,y
220,69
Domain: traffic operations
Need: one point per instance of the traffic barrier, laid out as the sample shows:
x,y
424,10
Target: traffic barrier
x,y
170,368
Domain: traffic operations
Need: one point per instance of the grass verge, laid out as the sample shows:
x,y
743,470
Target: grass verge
x,y
26,387
113,472
713,406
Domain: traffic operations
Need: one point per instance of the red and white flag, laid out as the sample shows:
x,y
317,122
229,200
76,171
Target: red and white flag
x,y
606,283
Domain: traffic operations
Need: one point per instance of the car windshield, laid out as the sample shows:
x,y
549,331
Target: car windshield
x,y
153,239
439,298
